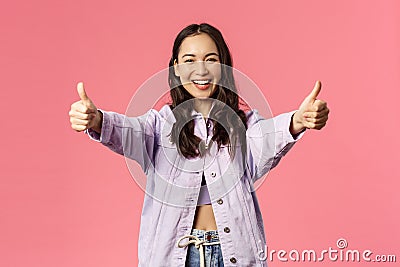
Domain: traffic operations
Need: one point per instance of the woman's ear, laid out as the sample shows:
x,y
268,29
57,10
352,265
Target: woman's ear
x,y
176,67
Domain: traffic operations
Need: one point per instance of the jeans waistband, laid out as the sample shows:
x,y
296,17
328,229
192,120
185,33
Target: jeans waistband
x,y
207,236
200,238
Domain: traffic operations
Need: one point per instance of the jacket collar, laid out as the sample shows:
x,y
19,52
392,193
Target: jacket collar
x,y
166,112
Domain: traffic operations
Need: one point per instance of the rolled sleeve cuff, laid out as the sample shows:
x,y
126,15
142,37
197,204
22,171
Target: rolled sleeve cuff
x,y
106,128
283,125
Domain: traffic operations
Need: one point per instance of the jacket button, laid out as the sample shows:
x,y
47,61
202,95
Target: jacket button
x,y
213,174
220,201
233,260
227,230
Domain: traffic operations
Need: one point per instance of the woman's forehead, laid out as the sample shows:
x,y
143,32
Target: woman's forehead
x,y
200,44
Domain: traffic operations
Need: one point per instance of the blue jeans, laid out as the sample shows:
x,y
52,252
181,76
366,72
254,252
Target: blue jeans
x,y
212,253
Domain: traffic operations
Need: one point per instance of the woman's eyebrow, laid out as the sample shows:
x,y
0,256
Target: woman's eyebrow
x,y
208,54
188,55
212,54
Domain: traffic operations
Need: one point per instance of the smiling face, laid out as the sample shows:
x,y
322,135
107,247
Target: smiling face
x,y
198,65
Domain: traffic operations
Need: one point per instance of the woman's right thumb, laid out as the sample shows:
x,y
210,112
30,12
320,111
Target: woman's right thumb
x,y
81,92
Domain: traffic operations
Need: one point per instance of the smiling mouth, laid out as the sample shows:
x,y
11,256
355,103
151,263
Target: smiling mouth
x,y
202,84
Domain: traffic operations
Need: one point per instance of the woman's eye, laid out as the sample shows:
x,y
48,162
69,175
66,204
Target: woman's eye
x,y
208,60
212,59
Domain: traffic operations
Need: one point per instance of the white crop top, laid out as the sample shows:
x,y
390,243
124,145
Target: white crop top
x,y
204,196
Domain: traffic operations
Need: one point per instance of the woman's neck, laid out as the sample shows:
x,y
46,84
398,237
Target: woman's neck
x,y
203,106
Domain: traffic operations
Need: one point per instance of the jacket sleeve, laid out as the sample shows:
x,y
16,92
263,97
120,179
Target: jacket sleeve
x,y
268,140
132,137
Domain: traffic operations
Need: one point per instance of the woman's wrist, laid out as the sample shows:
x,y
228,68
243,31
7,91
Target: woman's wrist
x,y
296,126
98,122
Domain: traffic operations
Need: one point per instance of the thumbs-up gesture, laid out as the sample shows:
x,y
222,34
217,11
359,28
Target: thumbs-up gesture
x,y
312,113
84,114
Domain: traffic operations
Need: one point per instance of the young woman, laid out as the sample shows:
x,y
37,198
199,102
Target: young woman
x,y
201,155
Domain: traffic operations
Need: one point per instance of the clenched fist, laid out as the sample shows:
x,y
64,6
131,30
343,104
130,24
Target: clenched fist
x,y
84,114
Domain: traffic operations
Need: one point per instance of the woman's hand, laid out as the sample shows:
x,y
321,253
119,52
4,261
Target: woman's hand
x,y
312,113
84,114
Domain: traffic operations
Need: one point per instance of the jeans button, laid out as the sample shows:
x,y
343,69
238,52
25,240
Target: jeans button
x,y
227,230
233,260
213,174
220,201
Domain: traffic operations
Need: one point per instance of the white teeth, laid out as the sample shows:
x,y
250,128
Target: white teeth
x,y
201,82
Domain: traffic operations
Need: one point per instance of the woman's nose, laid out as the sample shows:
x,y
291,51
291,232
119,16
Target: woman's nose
x,y
201,68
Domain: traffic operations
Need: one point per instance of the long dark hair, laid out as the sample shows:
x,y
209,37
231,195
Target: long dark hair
x,y
227,102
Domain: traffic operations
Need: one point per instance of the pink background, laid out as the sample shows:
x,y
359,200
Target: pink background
x,y
67,201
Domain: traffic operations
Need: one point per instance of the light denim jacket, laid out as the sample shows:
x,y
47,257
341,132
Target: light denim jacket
x,y
173,182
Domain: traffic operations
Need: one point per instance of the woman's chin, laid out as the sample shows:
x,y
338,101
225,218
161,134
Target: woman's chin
x,y
202,97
